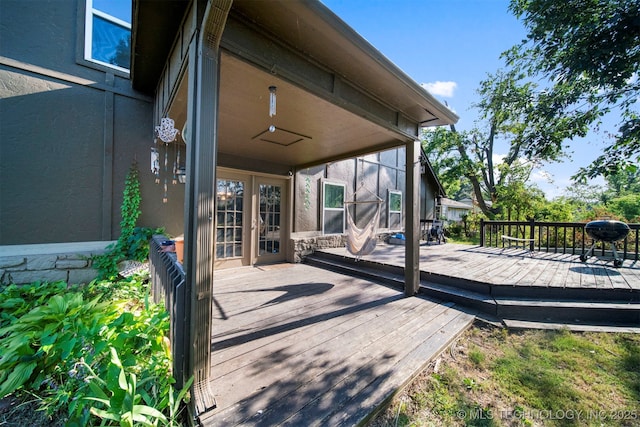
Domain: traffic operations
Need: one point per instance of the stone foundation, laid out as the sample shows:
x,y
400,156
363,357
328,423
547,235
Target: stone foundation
x,y
301,246
52,262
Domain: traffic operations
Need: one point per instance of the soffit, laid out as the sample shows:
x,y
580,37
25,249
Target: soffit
x,y
311,28
309,130
154,27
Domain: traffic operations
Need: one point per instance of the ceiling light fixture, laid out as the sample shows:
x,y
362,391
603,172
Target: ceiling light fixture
x,y
272,101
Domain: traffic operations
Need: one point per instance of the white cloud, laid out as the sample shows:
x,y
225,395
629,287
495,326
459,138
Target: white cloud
x,y
539,175
441,88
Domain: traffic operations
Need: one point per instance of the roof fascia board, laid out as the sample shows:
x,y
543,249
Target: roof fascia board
x,y
356,39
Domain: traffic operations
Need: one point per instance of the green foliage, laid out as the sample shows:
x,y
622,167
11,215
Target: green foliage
x,y
623,182
47,336
518,202
558,210
468,160
131,199
590,52
118,393
58,343
133,243
627,207
118,397
476,356
441,145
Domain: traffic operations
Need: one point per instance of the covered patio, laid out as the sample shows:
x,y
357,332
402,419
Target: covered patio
x,y
258,92
298,345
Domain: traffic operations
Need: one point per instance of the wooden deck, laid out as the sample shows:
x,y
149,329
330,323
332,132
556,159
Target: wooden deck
x,y
298,345
513,266
511,286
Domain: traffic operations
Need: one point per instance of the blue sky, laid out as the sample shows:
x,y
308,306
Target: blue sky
x,y
451,45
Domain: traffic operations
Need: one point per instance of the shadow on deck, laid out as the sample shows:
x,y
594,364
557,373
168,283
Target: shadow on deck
x,y
299,345
512,286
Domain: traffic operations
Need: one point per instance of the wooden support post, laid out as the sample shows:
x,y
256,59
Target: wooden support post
x,y
200,192
412,220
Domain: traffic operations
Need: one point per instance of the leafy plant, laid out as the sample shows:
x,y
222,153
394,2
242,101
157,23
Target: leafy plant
x,y
476,356
131,198
37,341
119,395
121,399
54,339
133,243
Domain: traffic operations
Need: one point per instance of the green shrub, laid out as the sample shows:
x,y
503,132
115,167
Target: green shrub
x,y
56,341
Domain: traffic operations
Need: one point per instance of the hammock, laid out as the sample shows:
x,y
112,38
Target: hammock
x,y
363,241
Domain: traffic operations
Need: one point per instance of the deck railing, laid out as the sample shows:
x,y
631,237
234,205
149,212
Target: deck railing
x,y
168,284
557,237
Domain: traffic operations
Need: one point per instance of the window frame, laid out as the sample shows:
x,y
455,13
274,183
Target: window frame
x,y
390,210
325,209
84,51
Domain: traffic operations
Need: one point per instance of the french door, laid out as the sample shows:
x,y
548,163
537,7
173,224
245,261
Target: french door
x,y
250,220
270,238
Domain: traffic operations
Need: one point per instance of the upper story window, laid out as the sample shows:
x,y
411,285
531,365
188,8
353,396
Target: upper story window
x,y
108,33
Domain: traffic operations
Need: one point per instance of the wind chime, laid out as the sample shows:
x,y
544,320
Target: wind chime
x,y
167,133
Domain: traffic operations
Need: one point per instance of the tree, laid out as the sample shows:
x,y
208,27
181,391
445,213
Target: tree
x,y
590,52
505,108
440,146
627,207
624,182
559,209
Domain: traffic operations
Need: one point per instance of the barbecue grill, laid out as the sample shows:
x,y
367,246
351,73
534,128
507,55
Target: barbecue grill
x,y
606,231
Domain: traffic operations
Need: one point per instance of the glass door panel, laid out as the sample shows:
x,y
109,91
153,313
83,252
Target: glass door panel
x,y
229,219
269,237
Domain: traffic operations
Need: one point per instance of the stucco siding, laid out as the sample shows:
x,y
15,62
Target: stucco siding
x,y
68,134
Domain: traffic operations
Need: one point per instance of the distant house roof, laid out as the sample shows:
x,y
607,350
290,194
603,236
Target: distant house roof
x,y
455,204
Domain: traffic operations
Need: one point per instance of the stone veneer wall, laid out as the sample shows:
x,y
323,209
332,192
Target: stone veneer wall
x,y
52,262
306,245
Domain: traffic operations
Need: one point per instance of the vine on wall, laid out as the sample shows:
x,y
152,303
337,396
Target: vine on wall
x,y
133,243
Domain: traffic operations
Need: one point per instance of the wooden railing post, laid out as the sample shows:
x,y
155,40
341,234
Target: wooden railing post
x,y
532,233
481,232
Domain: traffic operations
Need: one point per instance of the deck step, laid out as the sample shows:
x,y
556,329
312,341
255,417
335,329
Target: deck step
x,y
362,271
565,311
577,327
383,274
513,304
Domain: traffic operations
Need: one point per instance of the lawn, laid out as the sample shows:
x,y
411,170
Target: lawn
x,y
492,376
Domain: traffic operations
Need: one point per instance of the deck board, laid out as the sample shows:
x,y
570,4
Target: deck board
x,y
301,343
514,267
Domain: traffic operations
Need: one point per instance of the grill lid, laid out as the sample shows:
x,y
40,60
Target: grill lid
x,y
607,230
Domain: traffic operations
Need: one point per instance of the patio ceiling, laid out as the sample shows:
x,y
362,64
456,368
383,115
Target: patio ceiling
x,y
337,96
308,129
